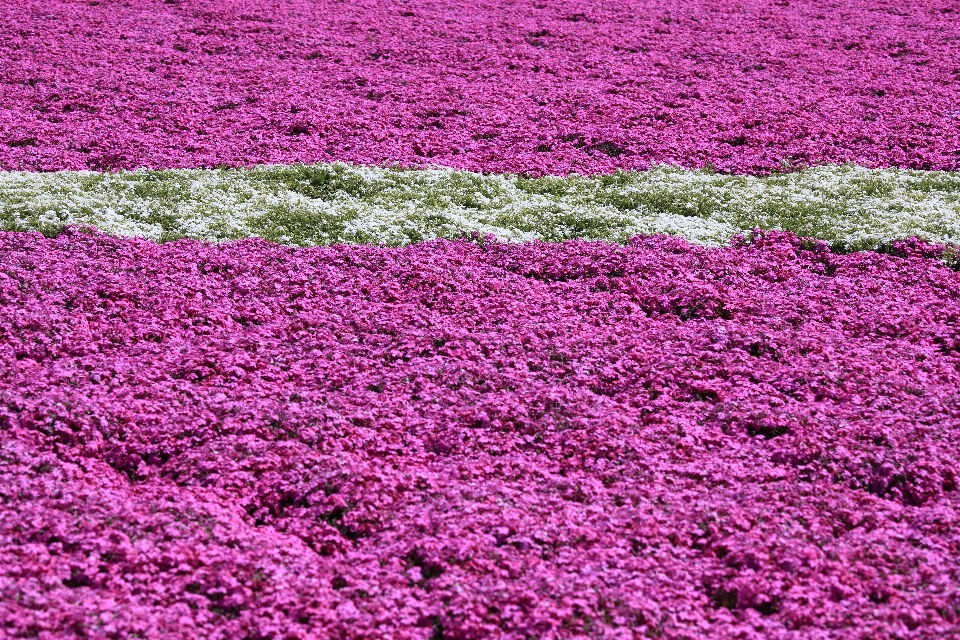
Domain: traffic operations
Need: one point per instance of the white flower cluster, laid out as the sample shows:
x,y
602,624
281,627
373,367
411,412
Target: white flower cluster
x,y
849,206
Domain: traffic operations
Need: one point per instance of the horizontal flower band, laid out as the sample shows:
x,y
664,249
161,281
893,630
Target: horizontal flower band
x,y
848,206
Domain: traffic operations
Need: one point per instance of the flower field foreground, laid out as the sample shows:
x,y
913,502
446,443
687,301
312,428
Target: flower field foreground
x,y
850,207
457,440
522,86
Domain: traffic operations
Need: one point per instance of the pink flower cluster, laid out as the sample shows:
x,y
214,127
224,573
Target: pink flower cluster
x,y
526,86
475,440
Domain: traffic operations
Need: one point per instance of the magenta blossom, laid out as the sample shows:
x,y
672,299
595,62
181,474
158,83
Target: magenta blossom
x,y
529,86
460,440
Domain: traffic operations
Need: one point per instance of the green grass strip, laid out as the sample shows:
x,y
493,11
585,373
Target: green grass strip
x,y
851,207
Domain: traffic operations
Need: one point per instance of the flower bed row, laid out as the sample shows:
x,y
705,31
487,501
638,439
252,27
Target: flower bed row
x,y
851,207
466,440
529,86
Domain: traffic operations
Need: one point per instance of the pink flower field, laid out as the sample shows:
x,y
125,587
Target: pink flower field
x,y
527,86
629,438
477,440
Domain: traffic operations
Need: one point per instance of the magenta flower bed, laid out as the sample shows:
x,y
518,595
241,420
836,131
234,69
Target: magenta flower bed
x,y
461,441
541,87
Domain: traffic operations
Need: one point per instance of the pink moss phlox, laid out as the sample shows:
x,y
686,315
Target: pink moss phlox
x,y
537,87
462,441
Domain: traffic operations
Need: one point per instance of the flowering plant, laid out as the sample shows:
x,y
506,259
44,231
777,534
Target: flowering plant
x,y
464,441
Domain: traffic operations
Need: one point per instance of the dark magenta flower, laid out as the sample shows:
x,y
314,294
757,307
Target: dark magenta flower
x,y
470,441
527,87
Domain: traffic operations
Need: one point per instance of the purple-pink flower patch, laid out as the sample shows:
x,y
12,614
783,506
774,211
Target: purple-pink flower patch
x,y
538,87
477,440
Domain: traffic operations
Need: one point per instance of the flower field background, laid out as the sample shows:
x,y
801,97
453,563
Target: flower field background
x,y
462,320
540,87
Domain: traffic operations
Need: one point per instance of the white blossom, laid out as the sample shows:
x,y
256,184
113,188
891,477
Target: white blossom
x,y
849,206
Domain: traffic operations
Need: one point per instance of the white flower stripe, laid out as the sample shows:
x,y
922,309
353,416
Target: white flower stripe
x,y
849,206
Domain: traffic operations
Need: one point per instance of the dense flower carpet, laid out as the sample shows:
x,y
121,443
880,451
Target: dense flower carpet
x,y
468,320
519,86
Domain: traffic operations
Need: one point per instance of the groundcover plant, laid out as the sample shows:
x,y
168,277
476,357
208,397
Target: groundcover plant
x,y
476,439
851,207
460,320
527,86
